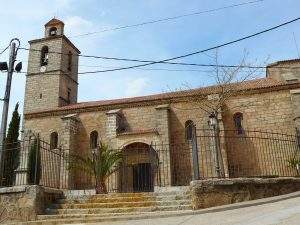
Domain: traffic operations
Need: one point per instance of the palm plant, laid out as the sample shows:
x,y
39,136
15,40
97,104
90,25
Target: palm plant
x,y
295,163
100,165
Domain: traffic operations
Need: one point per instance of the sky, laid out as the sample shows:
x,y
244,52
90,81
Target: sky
x,y
25,20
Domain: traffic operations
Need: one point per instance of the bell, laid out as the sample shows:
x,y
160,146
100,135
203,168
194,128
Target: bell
x,y
3,66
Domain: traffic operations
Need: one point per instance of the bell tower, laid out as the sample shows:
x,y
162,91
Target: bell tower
x,y
52,74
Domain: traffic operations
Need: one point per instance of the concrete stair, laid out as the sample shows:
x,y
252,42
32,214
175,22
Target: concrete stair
x,y
117,206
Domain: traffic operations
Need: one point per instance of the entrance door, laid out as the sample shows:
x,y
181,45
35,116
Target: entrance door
x,y
142,177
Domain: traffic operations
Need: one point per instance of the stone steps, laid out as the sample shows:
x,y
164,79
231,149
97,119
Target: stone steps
x,y
64,216
83,219
122,199
80,208
118,210
121,204
74,195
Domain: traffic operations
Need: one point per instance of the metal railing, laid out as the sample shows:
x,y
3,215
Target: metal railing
x,y
31,161
144,167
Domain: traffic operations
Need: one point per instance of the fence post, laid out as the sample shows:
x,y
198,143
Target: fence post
x,y
36,158
215,145
196,174
298,136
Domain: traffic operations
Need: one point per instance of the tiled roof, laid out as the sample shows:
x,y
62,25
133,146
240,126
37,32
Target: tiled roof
x,y
54,21
242,86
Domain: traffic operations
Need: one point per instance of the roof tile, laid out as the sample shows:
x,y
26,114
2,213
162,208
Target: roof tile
x,y
241,86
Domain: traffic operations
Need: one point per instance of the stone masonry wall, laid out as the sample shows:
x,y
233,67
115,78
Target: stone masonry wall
x,y
210,193
255,152
50,89
24,203
271,111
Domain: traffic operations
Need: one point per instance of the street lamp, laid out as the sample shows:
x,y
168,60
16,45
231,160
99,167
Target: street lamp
x,y
3,66
18,67
213,120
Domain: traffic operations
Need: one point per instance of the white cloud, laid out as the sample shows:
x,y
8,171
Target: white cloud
x,y
76,25
63,3
136,87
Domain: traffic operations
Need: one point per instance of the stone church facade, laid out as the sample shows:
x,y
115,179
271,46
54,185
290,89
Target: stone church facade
x,y
51,110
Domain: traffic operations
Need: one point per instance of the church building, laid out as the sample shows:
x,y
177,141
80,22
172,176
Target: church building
x,y
156,132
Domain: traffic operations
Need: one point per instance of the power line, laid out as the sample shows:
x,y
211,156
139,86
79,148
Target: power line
x,y
184,70
166,61
166,19
187,64
296,45
204,50
157,69
3,50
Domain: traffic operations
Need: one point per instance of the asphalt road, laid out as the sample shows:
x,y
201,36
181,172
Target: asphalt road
x,y
286,212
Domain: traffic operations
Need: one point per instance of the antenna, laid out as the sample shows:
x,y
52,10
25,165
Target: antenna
x,y
296,45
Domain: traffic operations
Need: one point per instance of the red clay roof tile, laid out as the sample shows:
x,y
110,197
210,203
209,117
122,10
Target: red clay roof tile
x,y
242,86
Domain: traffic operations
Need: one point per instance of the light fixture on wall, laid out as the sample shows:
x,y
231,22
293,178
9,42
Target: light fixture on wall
x,y
212,119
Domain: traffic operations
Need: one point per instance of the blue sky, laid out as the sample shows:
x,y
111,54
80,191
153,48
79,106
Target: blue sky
x,y
26,19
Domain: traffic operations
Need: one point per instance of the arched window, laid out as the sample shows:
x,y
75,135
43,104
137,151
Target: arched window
x,y
52,31
44,56
53,140
70,61
238,122
189,126
93,139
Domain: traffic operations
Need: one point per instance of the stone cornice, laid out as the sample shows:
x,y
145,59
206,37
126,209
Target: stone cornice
x,y
60,72
63,37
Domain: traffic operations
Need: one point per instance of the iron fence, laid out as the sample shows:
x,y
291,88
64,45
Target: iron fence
x,y
209,154
30,161
248,154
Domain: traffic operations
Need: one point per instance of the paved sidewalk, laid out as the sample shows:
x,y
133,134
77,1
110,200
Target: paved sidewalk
x,y
286,212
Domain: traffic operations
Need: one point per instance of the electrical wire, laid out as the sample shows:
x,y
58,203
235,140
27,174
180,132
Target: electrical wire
x,y
3,50
200,51
166,61
166,19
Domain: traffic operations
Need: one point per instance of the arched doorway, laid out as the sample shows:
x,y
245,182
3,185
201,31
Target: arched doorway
x,y
139,168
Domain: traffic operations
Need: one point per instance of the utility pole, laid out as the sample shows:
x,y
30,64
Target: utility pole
x,y
12,59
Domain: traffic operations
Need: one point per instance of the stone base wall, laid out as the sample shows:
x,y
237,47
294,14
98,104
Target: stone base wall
x,y
210,193
24,203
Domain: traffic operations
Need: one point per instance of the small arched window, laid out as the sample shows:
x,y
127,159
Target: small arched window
x,y
70,61
238,122
189,126
53,140
93,139
44,56
52,31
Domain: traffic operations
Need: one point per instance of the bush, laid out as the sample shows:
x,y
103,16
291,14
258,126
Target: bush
x,y
34,163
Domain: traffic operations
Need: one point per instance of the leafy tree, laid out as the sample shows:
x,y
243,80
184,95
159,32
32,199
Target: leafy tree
x,y
34,163
100,165
11,157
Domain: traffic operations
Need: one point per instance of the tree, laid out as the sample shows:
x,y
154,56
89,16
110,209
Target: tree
x,y
295,164
11,157
228,81
100,165
34,163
